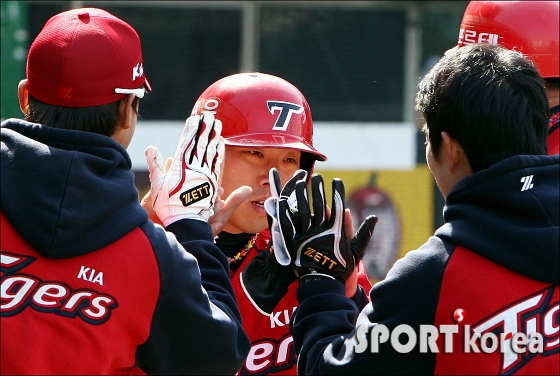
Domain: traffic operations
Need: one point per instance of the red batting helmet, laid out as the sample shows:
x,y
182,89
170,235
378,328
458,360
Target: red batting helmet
x,y
261,110
530,27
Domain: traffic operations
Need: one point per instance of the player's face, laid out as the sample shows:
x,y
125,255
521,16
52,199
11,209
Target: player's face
x,y
250,166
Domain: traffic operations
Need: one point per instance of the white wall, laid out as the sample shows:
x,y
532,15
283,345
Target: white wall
x,y
348,146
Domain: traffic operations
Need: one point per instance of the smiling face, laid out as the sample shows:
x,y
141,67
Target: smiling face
x,y
250,166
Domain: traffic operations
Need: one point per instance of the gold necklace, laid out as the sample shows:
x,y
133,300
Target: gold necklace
x,y
241,254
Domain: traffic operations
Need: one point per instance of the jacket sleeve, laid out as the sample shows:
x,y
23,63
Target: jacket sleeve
x,y
325,322
196,327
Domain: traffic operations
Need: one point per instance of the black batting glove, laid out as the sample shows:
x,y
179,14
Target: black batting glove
x,y
268,275
286,195
320,246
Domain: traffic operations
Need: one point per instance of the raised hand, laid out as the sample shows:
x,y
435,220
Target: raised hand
x,y
272,207
268,275
190,187
319,244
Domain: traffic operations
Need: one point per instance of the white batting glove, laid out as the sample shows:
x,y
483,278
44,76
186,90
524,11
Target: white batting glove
x,y
190,186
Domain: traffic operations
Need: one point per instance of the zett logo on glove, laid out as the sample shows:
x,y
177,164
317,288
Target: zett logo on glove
x,y
195,194
317,241
320,258
188,190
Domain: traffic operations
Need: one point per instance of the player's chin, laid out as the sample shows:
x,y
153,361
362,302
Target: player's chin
x,y
248,221
254,226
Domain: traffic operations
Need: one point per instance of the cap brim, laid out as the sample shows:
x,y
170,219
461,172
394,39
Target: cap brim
x,y
147,85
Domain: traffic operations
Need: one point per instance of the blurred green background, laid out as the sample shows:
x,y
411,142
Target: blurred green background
x,y
15,43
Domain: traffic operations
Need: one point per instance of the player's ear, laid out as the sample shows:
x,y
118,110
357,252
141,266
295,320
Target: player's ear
x,y
449,152
454,155
125,115
23,92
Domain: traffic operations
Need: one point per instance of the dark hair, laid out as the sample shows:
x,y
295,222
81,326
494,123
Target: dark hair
x,y
490,99
97,119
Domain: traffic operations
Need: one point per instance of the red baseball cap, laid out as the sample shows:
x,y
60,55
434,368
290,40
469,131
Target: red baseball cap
x,y
85,57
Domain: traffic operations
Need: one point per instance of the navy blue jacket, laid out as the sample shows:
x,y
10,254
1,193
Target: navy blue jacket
x,y
493,267
89,284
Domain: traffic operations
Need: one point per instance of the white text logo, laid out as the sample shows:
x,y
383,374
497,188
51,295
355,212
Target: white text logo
x,y
19,291
519,332
471,36
92,277
270,356
528,327
137,71
528,182
276,318
208,105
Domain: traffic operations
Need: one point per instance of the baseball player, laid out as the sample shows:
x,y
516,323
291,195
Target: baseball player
x,y
267,125
89,284
530,27
481,296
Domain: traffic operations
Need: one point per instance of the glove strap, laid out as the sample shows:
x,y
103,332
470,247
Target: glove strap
x,y
312,277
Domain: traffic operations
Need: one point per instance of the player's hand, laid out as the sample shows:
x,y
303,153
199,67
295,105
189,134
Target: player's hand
x,y
286,195
319,244
223,210
268,275
189,188
146,201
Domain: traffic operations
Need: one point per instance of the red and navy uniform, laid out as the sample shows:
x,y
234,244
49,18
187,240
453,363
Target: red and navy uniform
x,y
272,350
89,284
491,268
554,131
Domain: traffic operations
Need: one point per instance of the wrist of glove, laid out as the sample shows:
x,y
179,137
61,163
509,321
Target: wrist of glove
x,y
189,188
312,277
320,245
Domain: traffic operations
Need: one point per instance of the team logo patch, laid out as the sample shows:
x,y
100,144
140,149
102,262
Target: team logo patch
x,y
286,110
195,194
137,71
